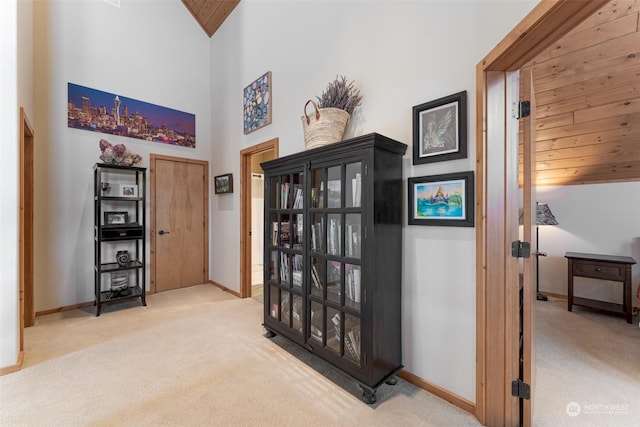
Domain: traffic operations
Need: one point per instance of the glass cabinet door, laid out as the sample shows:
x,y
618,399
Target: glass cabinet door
x,y
284,242
335,244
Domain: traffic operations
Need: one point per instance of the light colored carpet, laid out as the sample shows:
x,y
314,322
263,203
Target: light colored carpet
x,y
192,357
588,361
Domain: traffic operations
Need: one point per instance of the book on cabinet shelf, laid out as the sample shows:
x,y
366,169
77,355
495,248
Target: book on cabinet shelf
x,y
352,277
284,234
284,268
315,278
353,238
356,190
317,236
297,196
333,237
284,195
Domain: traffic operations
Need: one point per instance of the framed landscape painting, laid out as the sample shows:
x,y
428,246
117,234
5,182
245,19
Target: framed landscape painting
x,y
223,183
445,200
440,129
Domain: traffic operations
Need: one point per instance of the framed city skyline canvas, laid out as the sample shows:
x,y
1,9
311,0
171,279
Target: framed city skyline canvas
x,y
98,111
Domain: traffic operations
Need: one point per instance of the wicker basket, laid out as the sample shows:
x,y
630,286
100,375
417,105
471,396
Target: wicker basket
x,y
325,127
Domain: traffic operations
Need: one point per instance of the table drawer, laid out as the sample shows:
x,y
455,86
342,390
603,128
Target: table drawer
x,y
598,271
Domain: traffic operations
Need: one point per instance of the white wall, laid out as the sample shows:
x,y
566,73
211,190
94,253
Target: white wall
x,y
151,52
9,134
597,218
400,54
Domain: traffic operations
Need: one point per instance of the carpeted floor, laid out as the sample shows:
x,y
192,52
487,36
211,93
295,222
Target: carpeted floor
x,y
588,367
192,357
198,357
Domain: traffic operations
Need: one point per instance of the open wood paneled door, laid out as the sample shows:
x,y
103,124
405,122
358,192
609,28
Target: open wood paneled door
x,y
527,295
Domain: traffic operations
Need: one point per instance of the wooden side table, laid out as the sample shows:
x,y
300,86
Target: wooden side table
x,y
604,267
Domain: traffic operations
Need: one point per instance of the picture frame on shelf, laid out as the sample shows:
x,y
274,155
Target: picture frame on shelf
x,y
440,129
256,103
116,218
442,200
128,190
223,183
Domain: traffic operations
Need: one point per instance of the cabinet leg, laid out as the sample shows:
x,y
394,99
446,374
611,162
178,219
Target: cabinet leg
x,y
391,381
269,334
368,396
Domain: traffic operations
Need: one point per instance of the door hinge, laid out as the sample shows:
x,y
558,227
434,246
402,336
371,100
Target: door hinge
x,y
366,169
520,249
521,109
520,389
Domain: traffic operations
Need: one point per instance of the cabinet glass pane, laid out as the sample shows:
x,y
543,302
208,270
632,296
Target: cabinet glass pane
x,y
296,273
334,234
297,231
352,237
334,187
274,188
273,268
316,327
353,188
334,282
334,322
352,286
274,303
317,233
285,192
296,313
297,193
317,276
317,188
352,338
285,307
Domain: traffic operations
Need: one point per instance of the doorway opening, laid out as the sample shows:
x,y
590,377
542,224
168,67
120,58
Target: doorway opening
x,y
27,314
252,216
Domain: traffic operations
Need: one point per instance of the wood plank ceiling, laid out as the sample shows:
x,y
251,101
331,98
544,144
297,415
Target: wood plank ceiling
x,y
587,93
210,14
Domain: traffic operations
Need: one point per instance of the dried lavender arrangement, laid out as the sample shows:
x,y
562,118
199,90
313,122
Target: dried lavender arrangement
x,y
340,94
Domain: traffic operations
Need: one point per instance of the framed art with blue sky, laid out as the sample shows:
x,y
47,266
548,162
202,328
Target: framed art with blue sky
x,y
445,200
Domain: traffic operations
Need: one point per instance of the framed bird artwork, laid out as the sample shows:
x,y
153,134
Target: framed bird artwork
x,y
440,129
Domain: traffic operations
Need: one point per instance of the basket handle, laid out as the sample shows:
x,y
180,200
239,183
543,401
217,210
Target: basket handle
x,y
314,106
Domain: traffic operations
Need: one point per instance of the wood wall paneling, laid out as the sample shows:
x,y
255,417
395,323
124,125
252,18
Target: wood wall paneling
x,y
587,93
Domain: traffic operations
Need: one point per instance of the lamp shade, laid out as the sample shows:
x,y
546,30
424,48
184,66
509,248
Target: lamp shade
x,y
544,215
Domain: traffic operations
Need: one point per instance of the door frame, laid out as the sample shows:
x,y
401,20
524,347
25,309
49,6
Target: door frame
x,y
153,158
27,313
544,25
245,210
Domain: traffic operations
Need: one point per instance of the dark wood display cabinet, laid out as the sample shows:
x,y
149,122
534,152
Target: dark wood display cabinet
x,y
333,255
119,233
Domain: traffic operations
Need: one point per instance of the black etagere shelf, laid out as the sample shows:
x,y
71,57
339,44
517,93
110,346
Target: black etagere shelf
x,y
119,191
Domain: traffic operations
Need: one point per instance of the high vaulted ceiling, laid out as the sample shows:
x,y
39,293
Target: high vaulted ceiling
x,y
587,96
210,14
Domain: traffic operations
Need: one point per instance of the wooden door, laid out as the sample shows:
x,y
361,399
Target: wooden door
x,y
544,25
179,223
